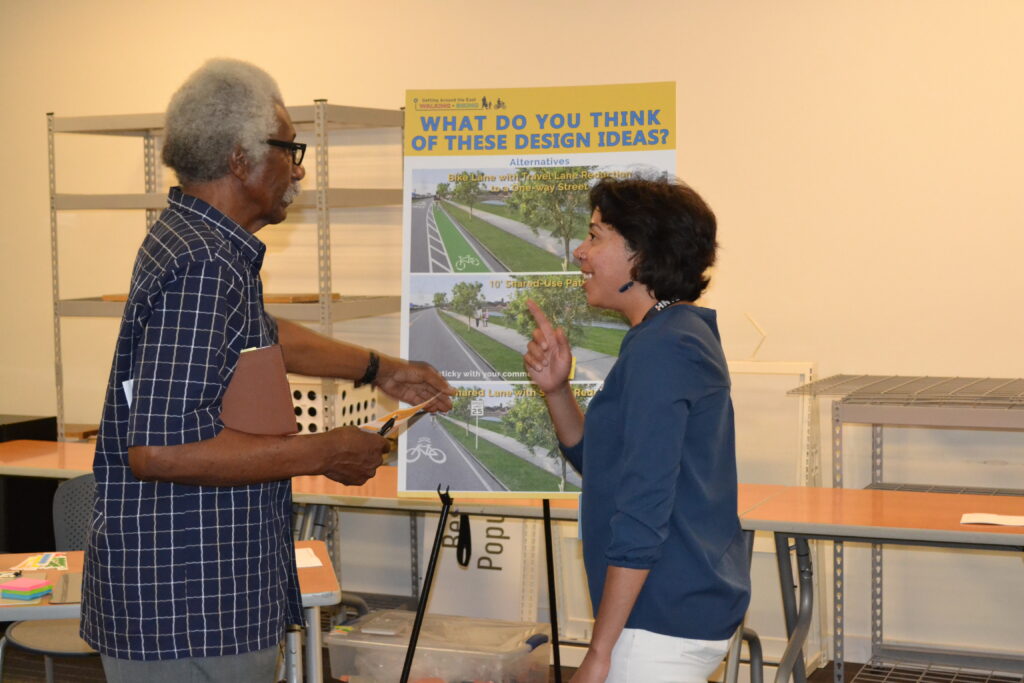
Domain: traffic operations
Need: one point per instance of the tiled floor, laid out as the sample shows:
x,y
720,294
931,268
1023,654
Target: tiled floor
x,y
23,667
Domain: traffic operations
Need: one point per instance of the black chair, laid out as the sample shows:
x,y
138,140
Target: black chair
x,y
72,513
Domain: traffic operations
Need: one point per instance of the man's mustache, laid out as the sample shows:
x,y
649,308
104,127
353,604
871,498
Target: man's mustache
x,y
292,192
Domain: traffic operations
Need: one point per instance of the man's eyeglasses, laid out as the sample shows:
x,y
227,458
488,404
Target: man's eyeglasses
x,y
298,149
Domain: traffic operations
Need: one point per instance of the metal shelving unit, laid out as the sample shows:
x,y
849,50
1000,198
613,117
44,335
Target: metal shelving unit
x,y
913,401
319,118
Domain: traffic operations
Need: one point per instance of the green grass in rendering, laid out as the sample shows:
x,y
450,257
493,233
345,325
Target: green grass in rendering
x,y
518,255
511,470
502,358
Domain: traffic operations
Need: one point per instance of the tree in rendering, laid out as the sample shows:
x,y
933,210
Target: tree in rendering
x,y
559,296
467,190
467,298
528,420
556,200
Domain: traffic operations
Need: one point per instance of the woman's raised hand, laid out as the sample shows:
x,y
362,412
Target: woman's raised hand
x,y
548,357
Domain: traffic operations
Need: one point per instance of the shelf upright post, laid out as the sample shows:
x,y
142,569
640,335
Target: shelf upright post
x,y
811,471
837,446
810,437
838,570
323,247
876,548
876,454
149,154
58,363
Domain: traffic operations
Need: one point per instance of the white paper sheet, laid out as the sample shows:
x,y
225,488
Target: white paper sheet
x,y
305,557
988,518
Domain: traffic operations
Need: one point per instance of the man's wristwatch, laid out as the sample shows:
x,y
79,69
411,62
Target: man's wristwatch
x,y
371,370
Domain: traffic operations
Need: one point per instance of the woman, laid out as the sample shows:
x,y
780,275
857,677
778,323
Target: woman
x,y
664,553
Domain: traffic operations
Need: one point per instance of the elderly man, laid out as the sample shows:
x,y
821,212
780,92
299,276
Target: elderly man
x,y
190,573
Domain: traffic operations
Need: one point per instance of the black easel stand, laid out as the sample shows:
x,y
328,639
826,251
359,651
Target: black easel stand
x,y
428,579
552,600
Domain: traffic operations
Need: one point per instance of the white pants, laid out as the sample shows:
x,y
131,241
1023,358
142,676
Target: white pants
x,y
641,656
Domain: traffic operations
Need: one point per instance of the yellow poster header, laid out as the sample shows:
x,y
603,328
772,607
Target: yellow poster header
x,y
608,118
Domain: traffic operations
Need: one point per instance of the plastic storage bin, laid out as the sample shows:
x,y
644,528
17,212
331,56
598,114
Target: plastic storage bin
x,y
451,649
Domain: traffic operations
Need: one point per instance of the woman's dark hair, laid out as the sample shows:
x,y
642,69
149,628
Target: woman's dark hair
x,y
667,225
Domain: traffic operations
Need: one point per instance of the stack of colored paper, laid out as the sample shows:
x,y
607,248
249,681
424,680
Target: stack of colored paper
x,y
25,588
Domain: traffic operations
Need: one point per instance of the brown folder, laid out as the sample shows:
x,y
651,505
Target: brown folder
x,y
68,589
258,399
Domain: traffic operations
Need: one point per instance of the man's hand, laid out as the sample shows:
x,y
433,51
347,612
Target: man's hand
x,y
353,455
349,455
309,353
414,382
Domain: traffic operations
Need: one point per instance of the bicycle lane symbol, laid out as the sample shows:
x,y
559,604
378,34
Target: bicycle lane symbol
x,y
466,261
423,447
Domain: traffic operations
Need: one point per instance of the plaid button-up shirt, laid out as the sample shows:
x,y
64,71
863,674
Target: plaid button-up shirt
x,y
173,570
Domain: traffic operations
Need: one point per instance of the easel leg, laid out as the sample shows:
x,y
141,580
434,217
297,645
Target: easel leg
x,y
428,580
552,598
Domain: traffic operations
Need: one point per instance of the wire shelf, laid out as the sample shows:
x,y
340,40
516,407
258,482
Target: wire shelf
x,y
933,488
983,392
877,671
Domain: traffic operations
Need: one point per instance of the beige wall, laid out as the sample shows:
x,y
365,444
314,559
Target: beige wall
x,y
863,157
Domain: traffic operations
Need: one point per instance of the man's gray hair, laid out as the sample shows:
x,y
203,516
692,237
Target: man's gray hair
x,y
226,104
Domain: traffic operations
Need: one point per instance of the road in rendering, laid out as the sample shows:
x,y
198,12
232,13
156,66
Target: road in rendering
x,y
432,341
433,458
429,254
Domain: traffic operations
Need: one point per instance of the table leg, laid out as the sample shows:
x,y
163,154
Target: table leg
x,y
732,658
314,646
311,524
293,655
798,620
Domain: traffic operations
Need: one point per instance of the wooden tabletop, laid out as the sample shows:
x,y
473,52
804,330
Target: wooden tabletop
x,y
867,513
43,609
851,512
318,585
752,495
63,460
57,459
381,492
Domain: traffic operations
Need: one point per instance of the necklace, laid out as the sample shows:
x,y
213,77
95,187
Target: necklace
x,y
660,306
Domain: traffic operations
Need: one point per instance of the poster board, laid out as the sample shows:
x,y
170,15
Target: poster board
x,y
496,200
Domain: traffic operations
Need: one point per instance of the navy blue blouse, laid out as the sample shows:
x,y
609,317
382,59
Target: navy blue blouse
x,y
658,460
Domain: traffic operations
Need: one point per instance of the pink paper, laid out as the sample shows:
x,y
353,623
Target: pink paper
x,y
24,584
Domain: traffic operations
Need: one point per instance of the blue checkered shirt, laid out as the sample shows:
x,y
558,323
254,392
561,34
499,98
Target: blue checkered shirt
x,y
172,570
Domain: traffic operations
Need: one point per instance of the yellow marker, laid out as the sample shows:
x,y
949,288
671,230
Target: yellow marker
x,y
572,369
